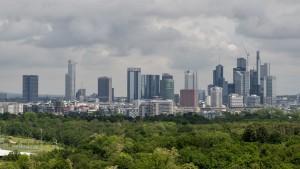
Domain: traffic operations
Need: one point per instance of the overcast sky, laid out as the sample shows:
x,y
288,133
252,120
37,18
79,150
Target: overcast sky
x,y
161,36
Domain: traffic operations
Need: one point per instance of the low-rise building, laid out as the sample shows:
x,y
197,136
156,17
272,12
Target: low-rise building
x,y
235,101
253,101
156,107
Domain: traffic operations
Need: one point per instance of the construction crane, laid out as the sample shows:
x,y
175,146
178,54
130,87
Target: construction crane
x,y
247,54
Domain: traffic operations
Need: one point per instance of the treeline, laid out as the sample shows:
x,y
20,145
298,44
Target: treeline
x,y
265,139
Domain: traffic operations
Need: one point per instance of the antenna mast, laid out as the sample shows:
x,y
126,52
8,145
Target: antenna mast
x,y
247,54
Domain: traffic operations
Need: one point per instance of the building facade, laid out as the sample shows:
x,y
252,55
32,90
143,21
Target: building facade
x,y
156,107
134,84
81,94
150,86
216,97
235,101
30,88
189,98
190,80
70,81
253,101
167,87
269,90
218,76
241,63
105,89
242,83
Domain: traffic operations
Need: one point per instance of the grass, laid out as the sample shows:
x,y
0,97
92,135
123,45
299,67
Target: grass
x,y
26,144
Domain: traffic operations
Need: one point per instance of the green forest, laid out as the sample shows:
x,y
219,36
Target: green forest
x,y
266,138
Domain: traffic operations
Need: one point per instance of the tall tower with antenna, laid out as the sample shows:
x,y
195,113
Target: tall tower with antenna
x,y
247,54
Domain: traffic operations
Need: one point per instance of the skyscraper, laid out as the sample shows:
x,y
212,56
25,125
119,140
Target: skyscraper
x,y
167,86
242,83
254,87
258,63
81,94
241,63
216,97
202,95
218,76
150,86
30,88
264,70
191,80
70,81
105,89
269,90
133,84
143,86
219,80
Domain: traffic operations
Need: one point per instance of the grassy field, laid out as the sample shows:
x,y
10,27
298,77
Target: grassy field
x,y
26,144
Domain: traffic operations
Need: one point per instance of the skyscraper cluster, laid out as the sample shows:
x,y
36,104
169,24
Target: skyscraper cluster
x,y
247,85
148,86
264,84
105,90
249,88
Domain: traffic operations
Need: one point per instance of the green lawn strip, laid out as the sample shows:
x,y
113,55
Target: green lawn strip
x,y
26,144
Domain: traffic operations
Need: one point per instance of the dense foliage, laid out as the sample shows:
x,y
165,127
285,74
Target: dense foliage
x,y
264,139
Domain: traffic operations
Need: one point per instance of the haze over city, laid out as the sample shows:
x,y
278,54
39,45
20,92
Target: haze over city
x,y
106,37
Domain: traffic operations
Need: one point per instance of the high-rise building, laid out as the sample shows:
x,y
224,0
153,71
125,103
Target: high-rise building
x,y
219,80
231,88
30,88
133,84
269,90
191,80
167,86
242,83
176,99
264,70
70,81
258,64
105,89
254,87
218,76
143,86
225,92
216,97
150,86
81,94
202,95
209,89
242,64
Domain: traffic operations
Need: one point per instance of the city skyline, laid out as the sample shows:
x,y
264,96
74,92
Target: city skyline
x,y
190,35
190,77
